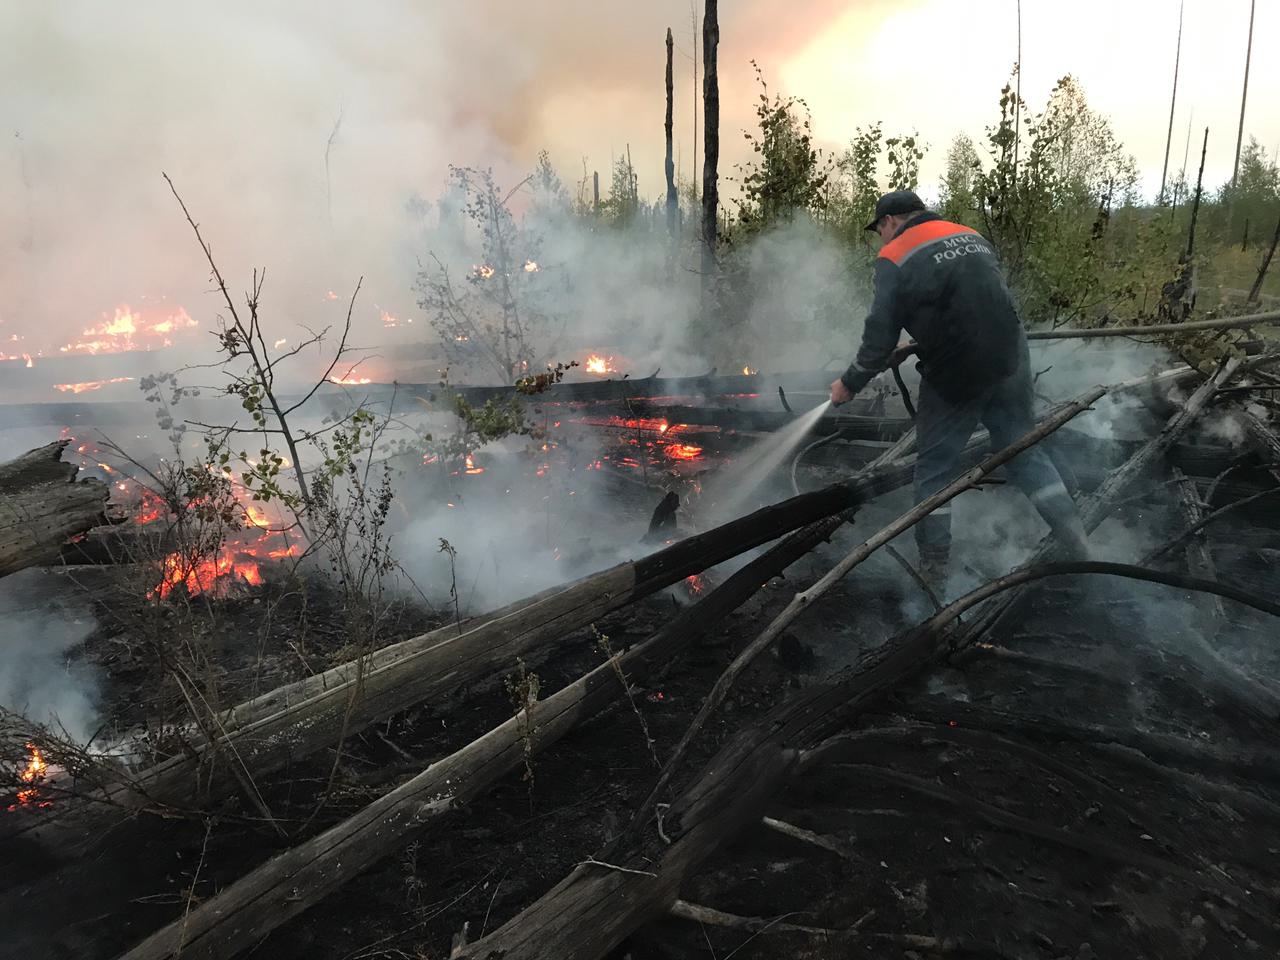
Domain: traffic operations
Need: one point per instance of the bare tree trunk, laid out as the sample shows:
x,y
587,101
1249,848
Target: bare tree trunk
x,y
1173,99
1195,203
673,203
595,193
693,42
1244,95
711,150
1256,289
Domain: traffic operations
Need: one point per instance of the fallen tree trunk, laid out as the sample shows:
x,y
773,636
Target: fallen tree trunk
x,y
600,903
283,887
42,507
1189,326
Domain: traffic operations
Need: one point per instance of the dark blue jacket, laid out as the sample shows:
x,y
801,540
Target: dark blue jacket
x,y
941,282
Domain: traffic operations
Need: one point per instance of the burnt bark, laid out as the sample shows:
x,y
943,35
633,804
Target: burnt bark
x,y
603,900
286,885
710,151
1264,266
673,203
42,507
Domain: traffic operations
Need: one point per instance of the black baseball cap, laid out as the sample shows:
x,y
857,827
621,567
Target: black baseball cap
x,y
894,203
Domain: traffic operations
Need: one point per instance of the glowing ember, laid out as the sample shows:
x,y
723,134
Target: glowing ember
x,y
695,584
472,469
89,385
129,329
331,295
483,271
599,365
30,362
33,774
682,451
530,267
749,371
204,575
390,322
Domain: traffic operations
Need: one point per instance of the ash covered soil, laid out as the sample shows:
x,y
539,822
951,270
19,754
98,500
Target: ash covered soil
x,y
1084,786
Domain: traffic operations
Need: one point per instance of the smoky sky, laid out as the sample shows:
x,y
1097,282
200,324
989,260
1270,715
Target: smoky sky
x,y
238,102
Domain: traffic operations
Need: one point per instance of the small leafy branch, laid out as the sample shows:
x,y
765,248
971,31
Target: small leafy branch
x,y
602,643
452,553
522,688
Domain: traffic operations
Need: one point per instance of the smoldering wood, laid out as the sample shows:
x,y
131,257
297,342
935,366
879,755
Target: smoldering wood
x,y
1000,615
1223,679
593,910
43,506
283,887
296,720
805,598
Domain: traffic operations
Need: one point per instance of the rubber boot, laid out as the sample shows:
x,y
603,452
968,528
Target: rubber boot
x,y
935,565
1073,542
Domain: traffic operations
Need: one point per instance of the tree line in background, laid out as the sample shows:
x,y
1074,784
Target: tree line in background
x,y
1055,190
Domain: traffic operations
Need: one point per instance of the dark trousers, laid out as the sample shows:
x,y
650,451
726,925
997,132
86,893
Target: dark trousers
x,y
944,427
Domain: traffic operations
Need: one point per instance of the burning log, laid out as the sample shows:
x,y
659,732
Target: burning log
x,y
42,507
291,882
267,733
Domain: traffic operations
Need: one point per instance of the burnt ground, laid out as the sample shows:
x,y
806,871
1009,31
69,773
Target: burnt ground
x,y
1071,792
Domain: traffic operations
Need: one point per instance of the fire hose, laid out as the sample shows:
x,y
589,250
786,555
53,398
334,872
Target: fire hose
x,y
896,359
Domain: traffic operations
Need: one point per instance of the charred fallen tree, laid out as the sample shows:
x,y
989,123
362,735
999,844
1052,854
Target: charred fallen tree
x,y
288,884
292,722
43,506
271,731
604,900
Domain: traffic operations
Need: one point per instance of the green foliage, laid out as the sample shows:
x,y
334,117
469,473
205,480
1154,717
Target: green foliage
x,y
957,198
623,206
1047,202
904,155
788,174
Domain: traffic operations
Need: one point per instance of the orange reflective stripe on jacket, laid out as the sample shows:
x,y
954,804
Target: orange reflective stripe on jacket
x,y
913,238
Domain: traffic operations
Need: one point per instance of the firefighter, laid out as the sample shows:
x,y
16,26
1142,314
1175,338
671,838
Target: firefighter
x,y
941,282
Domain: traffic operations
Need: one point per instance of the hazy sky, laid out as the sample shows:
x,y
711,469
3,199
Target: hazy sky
x,y
237,100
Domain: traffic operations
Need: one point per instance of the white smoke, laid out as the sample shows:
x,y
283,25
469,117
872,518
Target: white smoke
x,y
41,676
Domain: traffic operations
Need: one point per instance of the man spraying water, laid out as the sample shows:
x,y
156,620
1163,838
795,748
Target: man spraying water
x,y
941,282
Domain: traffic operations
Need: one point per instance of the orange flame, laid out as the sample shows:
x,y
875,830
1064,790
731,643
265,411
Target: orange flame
x,y
682,451
34,774
89,385
351,381
599,365
127,329
749,371
203,575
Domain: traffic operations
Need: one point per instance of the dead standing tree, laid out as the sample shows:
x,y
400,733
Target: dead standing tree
x,y
673,200
711,154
